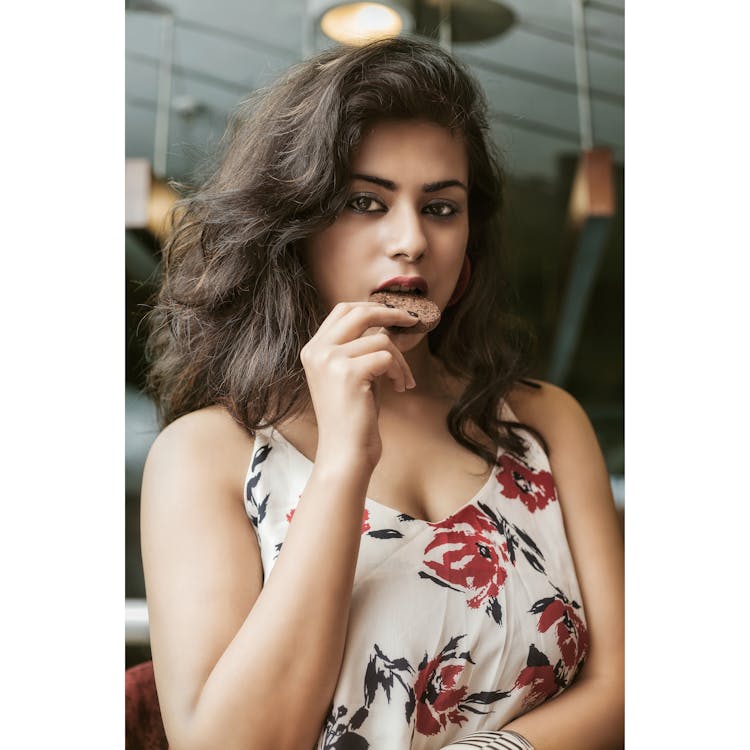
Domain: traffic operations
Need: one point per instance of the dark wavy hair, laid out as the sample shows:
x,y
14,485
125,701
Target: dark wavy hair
x,y
236,305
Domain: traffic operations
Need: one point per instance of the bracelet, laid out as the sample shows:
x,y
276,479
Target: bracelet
x,y
505,739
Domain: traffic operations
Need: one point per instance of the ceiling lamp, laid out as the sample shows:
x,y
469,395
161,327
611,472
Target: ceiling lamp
x,y
359,23
447,20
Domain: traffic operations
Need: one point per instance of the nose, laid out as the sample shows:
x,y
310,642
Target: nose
x,y
406,235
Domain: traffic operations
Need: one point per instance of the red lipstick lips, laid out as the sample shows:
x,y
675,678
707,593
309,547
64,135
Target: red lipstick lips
x,y
413,282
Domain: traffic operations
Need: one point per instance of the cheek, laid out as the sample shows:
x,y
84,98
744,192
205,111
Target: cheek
x,y
333,259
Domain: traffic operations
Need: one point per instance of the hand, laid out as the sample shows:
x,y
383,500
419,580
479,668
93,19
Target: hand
x,y
343,362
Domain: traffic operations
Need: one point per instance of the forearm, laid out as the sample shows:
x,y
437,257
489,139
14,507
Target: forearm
x,y
589,714
273,684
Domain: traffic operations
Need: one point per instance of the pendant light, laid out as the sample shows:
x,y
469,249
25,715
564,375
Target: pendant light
x,y
360,22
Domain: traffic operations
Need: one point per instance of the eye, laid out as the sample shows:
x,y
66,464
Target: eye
x,y
441,209
365,204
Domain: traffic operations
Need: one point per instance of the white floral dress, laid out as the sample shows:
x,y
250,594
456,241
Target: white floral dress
x,y
455,626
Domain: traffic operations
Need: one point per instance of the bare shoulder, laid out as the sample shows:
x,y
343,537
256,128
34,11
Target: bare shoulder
x,y
205,440
574,453
551,411
197,546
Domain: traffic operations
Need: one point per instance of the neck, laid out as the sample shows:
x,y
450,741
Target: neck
x,y
430,375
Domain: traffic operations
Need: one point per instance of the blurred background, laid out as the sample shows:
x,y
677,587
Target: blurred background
x,y
553,71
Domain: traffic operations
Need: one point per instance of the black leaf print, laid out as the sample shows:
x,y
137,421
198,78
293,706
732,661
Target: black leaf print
x,y
512,544
351,741
565,599
262,508
536,658
539,607
400,664
526,538
385,534
495,610
260,456
489,512
466,656
534,562
371,682
422,574
341,711
410,705
254,479
405,517
385,680
452,643
503,527
486,697
359,716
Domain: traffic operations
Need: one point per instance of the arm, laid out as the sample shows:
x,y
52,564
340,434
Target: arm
x,y
239,665
590,713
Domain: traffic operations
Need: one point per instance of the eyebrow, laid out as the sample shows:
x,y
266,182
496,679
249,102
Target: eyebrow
x,y
429,187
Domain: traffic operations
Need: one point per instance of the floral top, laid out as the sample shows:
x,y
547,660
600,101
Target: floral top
x,y
455,626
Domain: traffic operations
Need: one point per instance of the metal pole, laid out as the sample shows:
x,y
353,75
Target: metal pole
x,y
445,29
308,31
164,96
136,623
585,124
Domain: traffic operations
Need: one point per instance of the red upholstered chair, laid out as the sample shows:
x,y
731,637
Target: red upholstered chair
x,y
143,725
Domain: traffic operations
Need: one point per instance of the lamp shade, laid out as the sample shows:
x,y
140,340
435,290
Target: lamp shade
x,y
470,20
361,22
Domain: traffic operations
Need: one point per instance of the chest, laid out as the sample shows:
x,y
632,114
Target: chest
x,y
424,472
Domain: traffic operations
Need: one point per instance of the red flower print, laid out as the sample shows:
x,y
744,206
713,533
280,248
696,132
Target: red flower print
x,y
534,488
572,634
543,685
539,675
467,556
438,696
441,700
365,521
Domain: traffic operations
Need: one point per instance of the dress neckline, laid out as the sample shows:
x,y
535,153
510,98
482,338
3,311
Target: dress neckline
x,y
372,502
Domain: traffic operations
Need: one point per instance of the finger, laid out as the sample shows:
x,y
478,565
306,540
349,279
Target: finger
x,y
340,309
337,312
356,321
380,340
372,366
359,348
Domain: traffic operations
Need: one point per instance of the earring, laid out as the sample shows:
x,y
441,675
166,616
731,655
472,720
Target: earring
x,y
462,283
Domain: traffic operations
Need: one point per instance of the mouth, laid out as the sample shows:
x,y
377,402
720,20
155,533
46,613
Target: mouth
x,y
415,285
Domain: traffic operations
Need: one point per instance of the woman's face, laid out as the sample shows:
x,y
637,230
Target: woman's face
x,y
406,216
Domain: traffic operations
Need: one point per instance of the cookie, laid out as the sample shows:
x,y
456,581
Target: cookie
x,y
419,307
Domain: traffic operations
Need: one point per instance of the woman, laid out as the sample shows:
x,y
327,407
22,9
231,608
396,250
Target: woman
x,y
351,533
